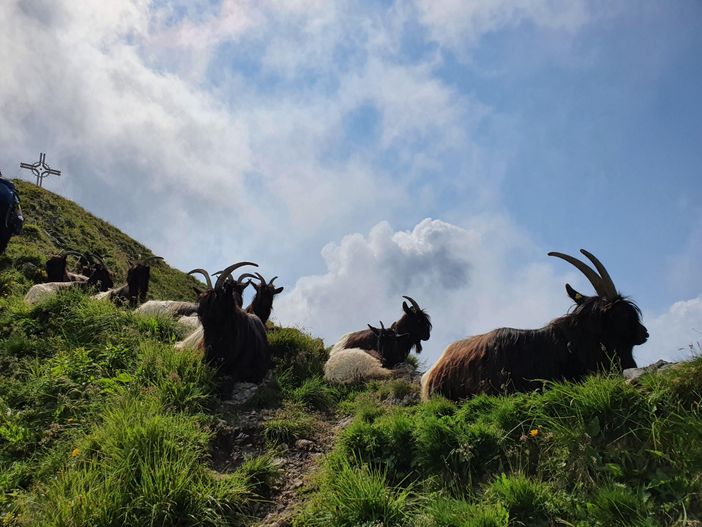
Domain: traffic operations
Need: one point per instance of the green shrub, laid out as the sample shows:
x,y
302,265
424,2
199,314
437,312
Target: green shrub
x,y
444,512
358,496
618,506
315,394
290,424
528,501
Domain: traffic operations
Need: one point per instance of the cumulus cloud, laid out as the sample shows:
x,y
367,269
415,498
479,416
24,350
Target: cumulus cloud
x,y
207,169
471,279
464,276
676,334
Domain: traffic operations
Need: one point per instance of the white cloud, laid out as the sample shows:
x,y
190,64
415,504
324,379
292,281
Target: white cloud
x,y
463,276
201,172
675,334
459,25
471,279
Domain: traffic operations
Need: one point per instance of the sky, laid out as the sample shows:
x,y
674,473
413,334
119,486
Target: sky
x,y
363,151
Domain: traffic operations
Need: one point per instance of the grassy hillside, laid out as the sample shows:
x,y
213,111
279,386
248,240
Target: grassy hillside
x,y
53,223
104,423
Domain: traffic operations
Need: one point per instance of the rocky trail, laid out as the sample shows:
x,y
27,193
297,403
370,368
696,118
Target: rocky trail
x,y
240,435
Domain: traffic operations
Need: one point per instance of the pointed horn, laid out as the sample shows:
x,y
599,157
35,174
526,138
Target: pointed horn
x,y
271,282
414,304
589,273
150,258
203,273
96,256
245,275
260,277
229,270
606,279
382,326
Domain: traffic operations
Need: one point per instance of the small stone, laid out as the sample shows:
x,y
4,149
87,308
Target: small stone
x,y
305,444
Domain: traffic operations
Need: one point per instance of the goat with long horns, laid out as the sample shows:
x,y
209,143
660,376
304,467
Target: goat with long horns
x,y
599,333
234,342
414,321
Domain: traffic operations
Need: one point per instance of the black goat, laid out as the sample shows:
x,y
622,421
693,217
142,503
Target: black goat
x,y
56,268
262,303
414,321
600,332
137,286
233,341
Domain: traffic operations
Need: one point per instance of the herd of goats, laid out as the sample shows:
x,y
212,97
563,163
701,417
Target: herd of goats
x,y
597,334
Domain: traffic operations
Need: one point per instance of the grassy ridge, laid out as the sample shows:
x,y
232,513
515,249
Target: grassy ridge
x,y
102,422
601,453
53,223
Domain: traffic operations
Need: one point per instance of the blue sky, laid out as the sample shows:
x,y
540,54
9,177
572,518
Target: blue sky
x,y
364,150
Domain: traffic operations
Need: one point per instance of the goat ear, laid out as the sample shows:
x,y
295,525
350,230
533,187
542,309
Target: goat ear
x,y
278,290
574,295
375,331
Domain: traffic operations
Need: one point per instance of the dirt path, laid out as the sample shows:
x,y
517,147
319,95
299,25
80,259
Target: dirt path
x,y
239,436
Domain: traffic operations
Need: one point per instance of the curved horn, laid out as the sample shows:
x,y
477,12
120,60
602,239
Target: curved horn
x,y
414,304
205,274
606,279
271,282
245,275
382,326
70,252
96,256
150,258
229,270
260,277
589,273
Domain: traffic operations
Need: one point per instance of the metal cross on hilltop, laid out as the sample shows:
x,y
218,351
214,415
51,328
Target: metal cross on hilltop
x,y
41,169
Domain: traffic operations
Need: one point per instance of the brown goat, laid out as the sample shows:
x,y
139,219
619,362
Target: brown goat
x,y
413,321
601,331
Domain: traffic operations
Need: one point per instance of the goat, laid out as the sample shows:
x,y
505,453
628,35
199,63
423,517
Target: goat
x,y
262,303
99,279
234,342
414,321
601,331
354,365
137,286
56,269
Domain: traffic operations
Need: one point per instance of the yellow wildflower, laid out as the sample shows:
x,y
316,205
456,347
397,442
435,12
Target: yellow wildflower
x,y
75,452
534,432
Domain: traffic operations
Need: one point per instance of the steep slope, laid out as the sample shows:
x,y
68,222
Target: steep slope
x,y
53,223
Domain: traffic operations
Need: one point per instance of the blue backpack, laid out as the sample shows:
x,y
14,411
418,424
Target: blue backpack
x,y
10,212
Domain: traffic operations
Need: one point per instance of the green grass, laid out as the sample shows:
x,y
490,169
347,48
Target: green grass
x,y
289,424
600,452
53,223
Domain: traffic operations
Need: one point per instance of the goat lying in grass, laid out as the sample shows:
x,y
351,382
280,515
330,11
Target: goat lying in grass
x,y
600,332
353,365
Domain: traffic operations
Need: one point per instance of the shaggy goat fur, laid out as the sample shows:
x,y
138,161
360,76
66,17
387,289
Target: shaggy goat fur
x,y
598,334
414,321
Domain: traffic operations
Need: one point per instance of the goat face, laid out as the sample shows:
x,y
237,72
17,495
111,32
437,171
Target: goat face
x,y
138,282
215,306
